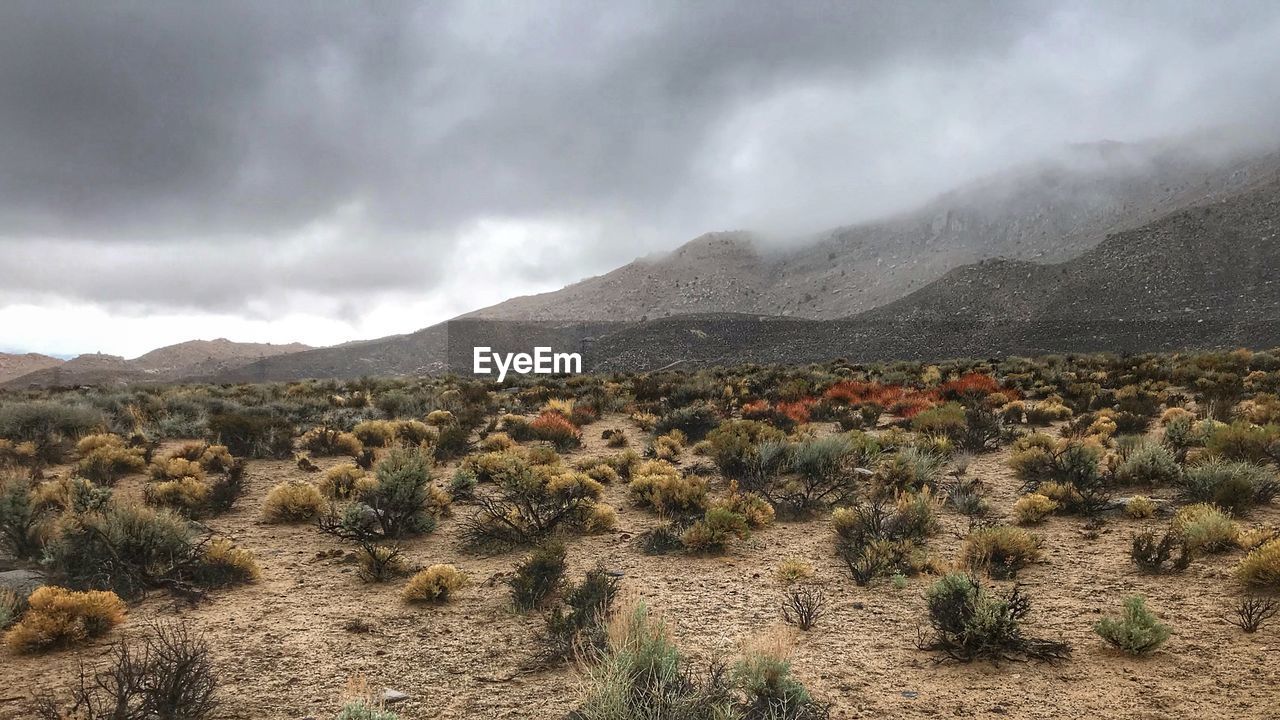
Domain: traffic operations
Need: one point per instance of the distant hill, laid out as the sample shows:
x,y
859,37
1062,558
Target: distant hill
x,y
17,365
207,357
196,358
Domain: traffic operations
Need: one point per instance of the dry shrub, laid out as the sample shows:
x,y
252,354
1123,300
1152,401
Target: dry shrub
x,y
793,570
1033,508
375,433
602,473
57,617
538,576
172,468
1140,507
1001,550
436,584
1204,528
752,507
378,563
1261,567
601,519
556,429
496,442
530,502
293,501
105,464
168,675
225,564
326,441
340,481
659,485
187,494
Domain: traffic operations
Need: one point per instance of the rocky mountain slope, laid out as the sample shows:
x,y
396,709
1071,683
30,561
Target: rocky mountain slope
x,y
1203,277
1046,212
13,365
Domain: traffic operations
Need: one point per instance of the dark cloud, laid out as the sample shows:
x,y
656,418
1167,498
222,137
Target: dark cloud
x,y
213,155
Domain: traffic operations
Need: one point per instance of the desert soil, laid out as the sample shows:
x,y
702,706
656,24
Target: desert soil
x,y
281,649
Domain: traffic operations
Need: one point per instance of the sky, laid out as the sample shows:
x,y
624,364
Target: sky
x,y
330,171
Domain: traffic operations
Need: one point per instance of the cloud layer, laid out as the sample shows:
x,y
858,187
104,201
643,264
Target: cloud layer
x,y
375,167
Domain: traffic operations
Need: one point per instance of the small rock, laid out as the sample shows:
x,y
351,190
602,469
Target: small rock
x,y
21,582
391,697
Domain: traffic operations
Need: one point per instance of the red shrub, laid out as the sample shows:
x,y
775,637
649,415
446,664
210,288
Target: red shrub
x,y
556,429
970,386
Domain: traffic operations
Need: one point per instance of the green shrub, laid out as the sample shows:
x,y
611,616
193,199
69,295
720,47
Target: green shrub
x,y
1149,464
1137,631
1233,486
51,427
531,502
1204,528
714,532
361,709
1244,441
695,421
253,434
968,622
577,624
910,469
658,485
735,446
20,517
538,576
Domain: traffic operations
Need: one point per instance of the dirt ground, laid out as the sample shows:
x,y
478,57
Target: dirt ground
x,y
282,651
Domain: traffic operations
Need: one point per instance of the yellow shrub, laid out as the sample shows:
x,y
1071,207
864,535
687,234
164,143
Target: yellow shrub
x,y
1261,567
496,442
107,463
440,417
415,432
1033,507
645,421
375,433
602,473
293,502
661,486
439,502
1002,549
600,518
1061,493
185,493
1140,507
176,467
793,570
89,443
1204,527
758,512
230,563
339,481
1176,413
435,584
58,617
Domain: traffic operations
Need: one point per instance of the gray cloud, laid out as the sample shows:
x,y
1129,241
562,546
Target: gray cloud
x,y
216,156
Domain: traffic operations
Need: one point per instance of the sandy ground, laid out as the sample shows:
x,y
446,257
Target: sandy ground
x,y
282,652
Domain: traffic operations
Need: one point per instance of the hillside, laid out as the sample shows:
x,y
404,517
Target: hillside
x,y
1046,212
206,357
1202,277
14,365
196,358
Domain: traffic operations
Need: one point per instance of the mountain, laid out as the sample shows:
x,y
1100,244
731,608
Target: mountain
x,y
1202,277
15,365
1045,212
196,358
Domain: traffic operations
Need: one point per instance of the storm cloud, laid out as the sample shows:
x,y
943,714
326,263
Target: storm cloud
x,y
379,166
